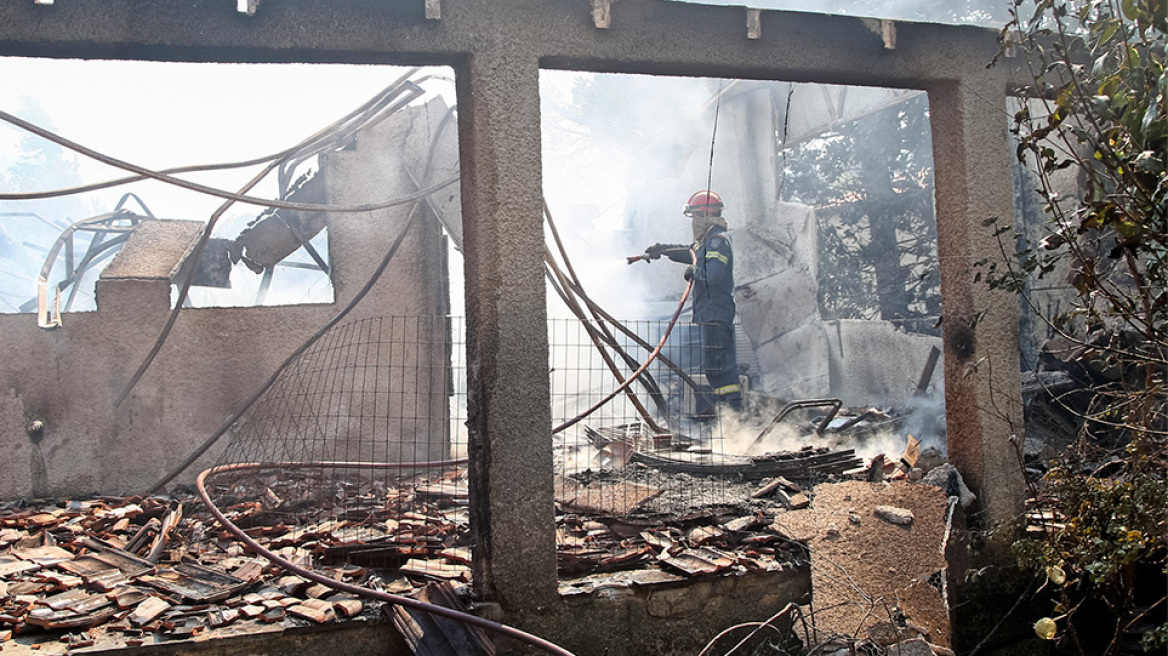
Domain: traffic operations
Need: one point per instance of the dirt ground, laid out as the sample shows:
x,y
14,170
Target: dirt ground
x,y
866,570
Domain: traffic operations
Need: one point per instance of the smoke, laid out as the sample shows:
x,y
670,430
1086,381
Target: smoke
x,y
922,417
621,154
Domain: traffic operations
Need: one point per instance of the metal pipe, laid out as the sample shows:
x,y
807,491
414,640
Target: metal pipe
x,y
835,404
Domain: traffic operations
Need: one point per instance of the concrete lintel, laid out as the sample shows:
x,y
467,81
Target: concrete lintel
x,y
652,36
155,251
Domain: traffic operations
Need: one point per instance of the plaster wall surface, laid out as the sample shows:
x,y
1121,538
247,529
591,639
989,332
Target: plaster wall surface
x,y
873,362
497,48
215,359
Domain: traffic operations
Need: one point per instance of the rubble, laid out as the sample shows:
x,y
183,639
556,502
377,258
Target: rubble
x,y
946,477
894,515
865,573
140,570
133,571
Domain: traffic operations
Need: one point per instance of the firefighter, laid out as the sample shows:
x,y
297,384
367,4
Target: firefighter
x,y
713,292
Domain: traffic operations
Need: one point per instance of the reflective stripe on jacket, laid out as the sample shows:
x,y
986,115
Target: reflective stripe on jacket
x,y
713,292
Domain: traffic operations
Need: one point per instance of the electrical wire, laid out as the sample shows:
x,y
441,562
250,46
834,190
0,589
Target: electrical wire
x,y
212,191
202,168
373,278
373,111
714,136
289,360
219,193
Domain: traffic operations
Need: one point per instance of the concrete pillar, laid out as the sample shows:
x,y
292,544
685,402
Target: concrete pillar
x,y
508,400
980,329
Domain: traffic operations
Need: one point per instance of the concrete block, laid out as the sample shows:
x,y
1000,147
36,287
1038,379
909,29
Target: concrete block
x,y
133,298
677,602
775,305
796,365
155,250
782,241
873,362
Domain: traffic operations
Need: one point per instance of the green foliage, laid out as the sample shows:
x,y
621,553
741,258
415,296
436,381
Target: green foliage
x,y
1099,67
872,179
1110,524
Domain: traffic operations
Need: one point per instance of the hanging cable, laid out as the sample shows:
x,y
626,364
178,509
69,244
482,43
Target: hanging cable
x,y
212,191
373,278
714,136
373,110
644,366
202,168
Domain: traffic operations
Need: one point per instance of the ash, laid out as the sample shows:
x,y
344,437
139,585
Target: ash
x,y
684,494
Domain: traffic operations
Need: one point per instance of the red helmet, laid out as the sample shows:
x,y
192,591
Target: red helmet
x,y
706,202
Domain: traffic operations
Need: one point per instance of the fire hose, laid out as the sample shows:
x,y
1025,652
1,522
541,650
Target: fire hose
x,y
645,365
408,602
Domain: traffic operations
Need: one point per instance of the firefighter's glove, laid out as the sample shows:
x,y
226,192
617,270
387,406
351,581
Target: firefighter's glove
x,y
657,250
689,273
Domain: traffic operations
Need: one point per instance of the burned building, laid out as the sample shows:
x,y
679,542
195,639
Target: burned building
x,y
216,358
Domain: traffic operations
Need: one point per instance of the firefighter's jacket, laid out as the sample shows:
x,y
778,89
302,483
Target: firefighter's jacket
x,y
713,277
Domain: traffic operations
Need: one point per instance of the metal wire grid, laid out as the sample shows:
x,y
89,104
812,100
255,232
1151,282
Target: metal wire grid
x,y
361,436
600,461
392,390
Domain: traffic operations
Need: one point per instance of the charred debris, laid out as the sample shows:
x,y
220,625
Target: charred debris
x,y
127,571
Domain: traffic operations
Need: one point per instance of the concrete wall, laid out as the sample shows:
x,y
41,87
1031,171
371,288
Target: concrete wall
x,y
497,48
215,358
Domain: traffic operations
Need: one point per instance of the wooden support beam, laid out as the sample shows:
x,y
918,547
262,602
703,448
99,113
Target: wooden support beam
x,y
753,24
602,13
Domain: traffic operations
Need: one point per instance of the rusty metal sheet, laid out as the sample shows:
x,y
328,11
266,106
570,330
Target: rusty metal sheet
x,y
194,582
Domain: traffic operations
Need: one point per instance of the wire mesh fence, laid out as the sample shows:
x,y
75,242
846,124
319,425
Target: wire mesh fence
x,y
652,445
356,455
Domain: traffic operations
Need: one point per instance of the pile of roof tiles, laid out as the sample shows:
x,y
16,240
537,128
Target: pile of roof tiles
x,y
695,543
138,570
